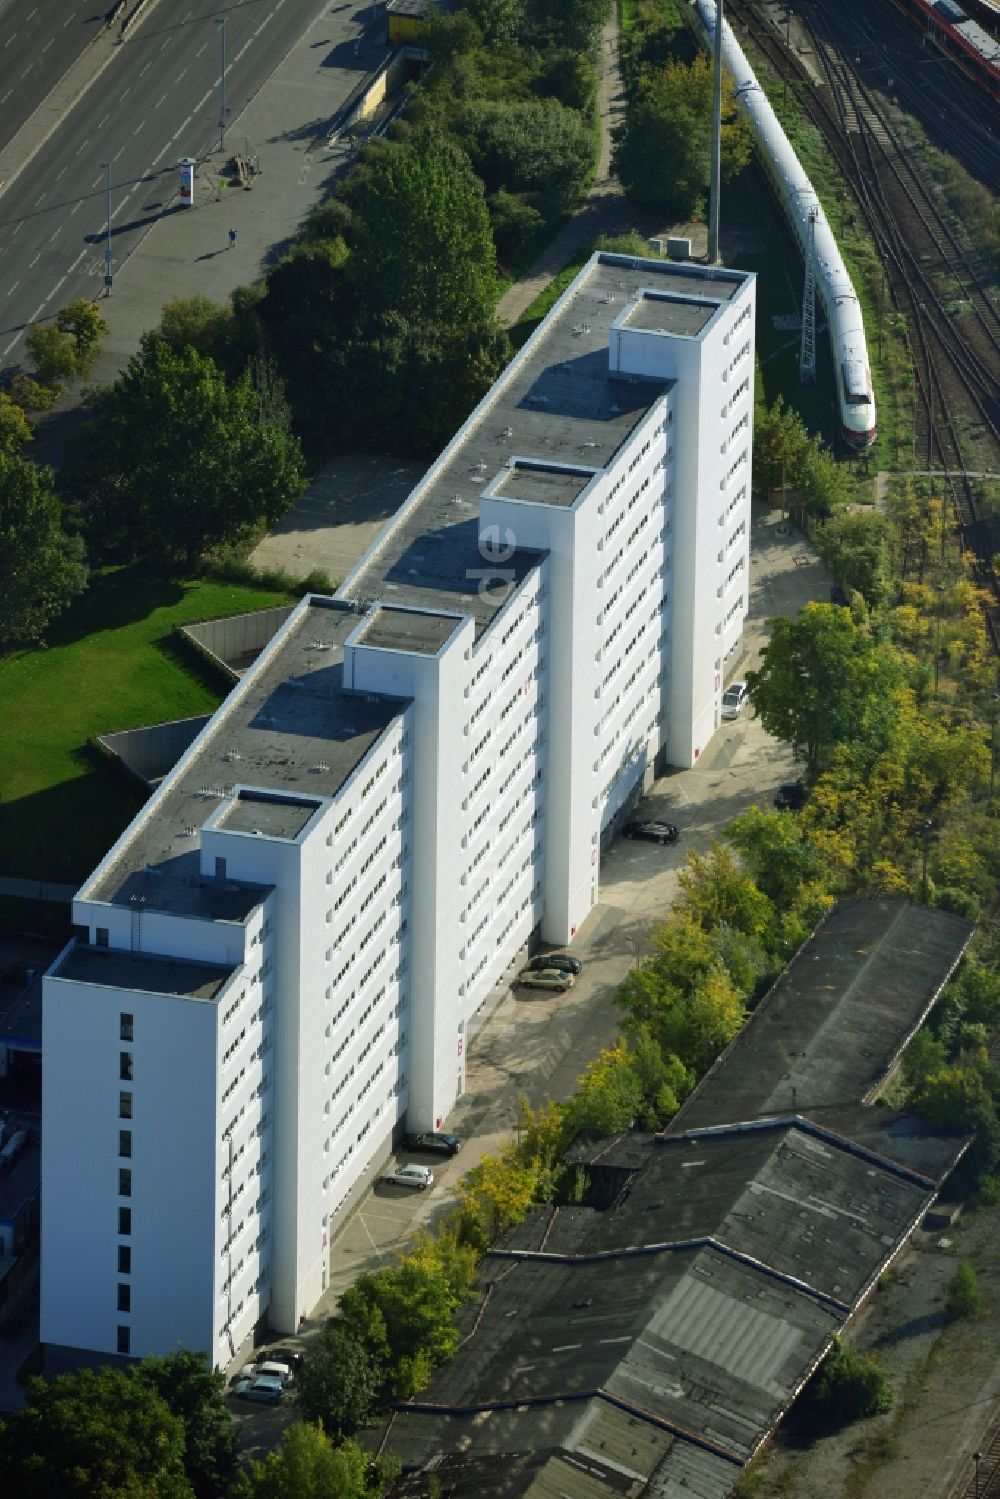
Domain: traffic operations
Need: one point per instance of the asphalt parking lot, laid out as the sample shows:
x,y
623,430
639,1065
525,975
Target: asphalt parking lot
x,y
538,1043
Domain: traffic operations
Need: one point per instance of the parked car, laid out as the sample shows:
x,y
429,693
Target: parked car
x,y
432,1140
652,832
546,978
735,699
838,596
790,796
563,960
267,1391
273,1368
288,1356
410,1175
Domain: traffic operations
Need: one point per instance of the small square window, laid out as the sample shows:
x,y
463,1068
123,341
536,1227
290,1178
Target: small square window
x,y
125,1026
124,1106
124,1183
101,936
124,1220
125,1066
124,1259
124,1142
124,1297
124,1338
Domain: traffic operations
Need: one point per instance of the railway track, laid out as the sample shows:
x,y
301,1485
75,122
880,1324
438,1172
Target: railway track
x,y
982,1480
956,369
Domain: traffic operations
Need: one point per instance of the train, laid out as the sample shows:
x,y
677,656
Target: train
x,y
961,37
799,203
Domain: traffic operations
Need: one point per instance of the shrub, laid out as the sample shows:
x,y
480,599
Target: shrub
x,y
850,1386
963,1294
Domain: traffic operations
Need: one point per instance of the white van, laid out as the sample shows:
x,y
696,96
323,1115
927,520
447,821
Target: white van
x,y
272,1370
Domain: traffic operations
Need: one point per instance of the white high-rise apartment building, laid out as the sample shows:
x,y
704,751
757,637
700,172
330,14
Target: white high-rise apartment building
x,y
279,957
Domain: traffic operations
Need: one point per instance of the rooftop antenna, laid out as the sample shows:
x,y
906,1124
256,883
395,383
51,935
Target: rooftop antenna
x,y
807,350
713,212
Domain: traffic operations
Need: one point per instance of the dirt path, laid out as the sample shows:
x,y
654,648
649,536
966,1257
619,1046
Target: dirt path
x,y
603,211
945,1376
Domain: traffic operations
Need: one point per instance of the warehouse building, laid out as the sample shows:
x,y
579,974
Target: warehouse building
x,y
280,957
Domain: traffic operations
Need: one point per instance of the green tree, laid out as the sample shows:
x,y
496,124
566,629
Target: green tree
x,y
15,429
421,236
196,1394
782,859
340,1381
207,327
499,21
822,682
608,1095
964,1298
780,446
179,459
83,322
850,1386
308,1466
714,890
569,24
855,547
529,146
52,352
95,1434
661,150
404,1314
42,569
499,1193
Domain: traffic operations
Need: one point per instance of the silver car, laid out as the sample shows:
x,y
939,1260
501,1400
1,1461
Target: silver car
x,y
410,1175
735,699
546,978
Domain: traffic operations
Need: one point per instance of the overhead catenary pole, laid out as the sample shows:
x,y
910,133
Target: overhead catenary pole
x,y
713,213
108,257
220,21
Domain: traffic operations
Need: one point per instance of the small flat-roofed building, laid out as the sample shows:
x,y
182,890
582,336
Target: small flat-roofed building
x,y
405,21
409,784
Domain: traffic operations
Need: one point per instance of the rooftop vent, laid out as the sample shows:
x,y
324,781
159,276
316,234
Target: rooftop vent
x,y
505,433
321,766
233,754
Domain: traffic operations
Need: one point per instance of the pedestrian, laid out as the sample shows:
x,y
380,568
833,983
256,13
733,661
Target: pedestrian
x,y
232,239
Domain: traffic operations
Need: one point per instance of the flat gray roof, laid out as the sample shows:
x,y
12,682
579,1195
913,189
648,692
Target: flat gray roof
x,y
409,630
152,975
831,1027
543,483
556,402
269,815
684,316
294,731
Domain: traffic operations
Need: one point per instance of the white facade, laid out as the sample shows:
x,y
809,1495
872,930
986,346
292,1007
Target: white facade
x,y
281,956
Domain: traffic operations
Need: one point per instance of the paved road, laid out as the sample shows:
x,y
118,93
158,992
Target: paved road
x,y
157,101
39,40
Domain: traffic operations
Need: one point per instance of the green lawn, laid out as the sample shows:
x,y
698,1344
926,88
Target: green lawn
x,y
110,664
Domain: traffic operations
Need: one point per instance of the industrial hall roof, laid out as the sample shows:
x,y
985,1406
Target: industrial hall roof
x,y
649,1343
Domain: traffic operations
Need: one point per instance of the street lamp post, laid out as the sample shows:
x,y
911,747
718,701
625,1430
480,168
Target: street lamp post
x,y
927,838
977,1458
108,273
220,21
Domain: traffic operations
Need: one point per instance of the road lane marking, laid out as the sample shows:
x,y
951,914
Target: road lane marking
x,y
119,152
74,208
62,174
180,75
145,69
13,289
104,122
35,261
161,100
201,49
83,148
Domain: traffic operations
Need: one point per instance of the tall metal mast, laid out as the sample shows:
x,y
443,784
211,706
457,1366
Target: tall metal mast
x,y
713,211
807,350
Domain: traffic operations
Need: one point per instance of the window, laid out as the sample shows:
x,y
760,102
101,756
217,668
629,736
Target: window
x,y
124,1259
102,936
124,1220
124,1182
124,1106
123,1340
125,1027
124,1142
125,1066
124,1297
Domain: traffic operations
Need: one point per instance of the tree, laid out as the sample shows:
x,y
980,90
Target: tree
x,y
714,890
42,569
529,146
52,352
780,445
781,858
855,547
196,1395
850,1386
499,21
179,459
95,1434
203,325
608,1095
500,1193
15,429
661,150
570,24
404,1314
964,1297
308,1466
421,239
83,322
821,682
339,1383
